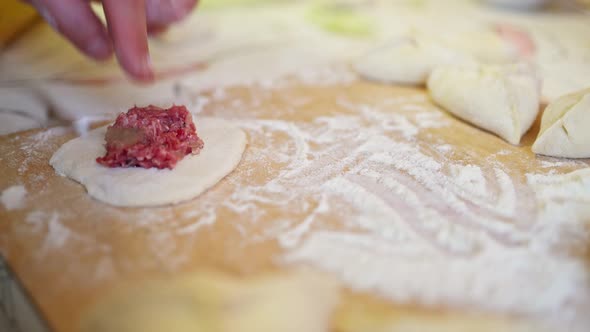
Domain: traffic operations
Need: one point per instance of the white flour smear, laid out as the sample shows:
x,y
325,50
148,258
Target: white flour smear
x,y
13,197
413,225
33,146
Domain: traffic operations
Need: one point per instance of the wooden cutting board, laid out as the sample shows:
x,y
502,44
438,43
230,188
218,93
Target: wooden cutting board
x,y
15,17
69,250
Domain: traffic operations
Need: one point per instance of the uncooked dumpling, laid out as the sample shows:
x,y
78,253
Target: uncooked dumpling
x,y
565,127
408,60
484,44
503,99
224,146
411,59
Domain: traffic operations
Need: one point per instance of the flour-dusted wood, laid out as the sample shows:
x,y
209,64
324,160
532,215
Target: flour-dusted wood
x,y
424,220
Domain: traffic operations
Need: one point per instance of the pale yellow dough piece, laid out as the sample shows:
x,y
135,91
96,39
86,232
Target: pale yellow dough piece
x,y
215,302
565,127
482,43
503,99
408,60
224,146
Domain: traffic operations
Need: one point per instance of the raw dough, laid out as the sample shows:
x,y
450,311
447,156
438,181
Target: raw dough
x,y
24,101
224,146
15,122
565,127
411,59
484,43
503,99
216,302
407,60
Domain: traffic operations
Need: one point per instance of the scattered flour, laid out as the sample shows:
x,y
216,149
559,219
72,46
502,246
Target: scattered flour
x,y
414,225
13,197
57,234
471,178
573,186
82,124
32,146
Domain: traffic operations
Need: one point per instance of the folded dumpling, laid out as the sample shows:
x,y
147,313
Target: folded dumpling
x,y
408,60
565,127
503,99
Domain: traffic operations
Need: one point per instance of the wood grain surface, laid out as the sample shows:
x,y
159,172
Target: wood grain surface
x,y
69,250
15,17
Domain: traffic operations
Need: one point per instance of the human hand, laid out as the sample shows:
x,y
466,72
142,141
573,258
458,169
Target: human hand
x,y
128,25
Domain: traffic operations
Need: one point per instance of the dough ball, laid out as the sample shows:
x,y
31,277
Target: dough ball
x,y
408,60
565,127
128,187
503,99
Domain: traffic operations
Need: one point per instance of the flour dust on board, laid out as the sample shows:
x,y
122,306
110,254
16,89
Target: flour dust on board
x,y
375,191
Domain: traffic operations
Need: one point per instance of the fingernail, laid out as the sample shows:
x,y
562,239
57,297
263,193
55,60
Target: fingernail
x,y
98,48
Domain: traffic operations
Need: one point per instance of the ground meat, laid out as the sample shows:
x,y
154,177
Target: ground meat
x,y
151,137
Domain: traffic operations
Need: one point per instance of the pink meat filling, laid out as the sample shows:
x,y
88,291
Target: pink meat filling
x,y
151,137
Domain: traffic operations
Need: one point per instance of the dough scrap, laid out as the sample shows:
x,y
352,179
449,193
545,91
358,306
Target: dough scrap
x,y
503,99
132,187
565,127
211,301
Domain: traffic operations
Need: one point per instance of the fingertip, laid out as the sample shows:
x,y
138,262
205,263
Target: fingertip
x,y
128,30
166,12
154,30
140,70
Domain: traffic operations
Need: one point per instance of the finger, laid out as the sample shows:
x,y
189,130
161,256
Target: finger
x,y
154,30
165,12
127,26
75,20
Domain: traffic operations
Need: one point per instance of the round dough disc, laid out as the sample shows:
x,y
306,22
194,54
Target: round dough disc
x,y
129,187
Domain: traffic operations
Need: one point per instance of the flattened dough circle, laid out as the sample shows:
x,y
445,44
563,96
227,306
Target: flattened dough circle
x,y
133,187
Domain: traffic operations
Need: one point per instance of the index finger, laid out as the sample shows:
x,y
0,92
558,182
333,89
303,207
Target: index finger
x,y
126,21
